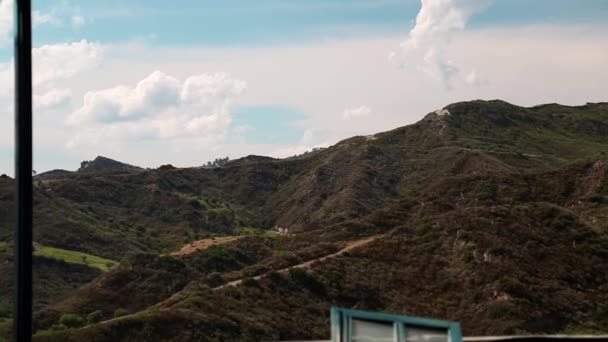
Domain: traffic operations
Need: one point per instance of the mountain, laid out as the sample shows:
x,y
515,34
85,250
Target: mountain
x,y
53,175
483,212
99,164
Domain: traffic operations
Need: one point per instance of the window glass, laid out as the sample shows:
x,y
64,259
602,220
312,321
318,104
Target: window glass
x,y
370,331
419,334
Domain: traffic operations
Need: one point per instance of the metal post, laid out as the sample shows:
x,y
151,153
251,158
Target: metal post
x,y
22,313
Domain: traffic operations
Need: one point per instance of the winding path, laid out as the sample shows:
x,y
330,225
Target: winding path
x,y
307,264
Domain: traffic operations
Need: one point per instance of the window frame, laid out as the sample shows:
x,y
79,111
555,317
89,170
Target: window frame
x,y
341,324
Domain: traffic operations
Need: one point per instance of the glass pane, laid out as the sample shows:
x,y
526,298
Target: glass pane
x,y
417,334
370,331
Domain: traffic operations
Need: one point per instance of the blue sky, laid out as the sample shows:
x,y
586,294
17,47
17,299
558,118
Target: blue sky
x,y
269,124
154,82
246,22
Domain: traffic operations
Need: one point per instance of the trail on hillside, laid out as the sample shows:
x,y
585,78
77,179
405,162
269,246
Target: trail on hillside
x,y
203,244
307,264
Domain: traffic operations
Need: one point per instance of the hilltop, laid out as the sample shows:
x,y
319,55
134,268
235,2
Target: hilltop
x,y
99,164
484,212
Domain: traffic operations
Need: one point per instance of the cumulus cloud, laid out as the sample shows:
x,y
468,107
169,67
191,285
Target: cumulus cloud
x,y
159,107
358,112
54,62
436,23
60,61
53,99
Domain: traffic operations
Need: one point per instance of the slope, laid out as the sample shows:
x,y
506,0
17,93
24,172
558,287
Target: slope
x,y
460,191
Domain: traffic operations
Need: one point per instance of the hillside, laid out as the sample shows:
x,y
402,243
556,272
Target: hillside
x,y
99,164
484,212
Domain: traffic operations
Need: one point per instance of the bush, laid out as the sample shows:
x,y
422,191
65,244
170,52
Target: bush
x,y
275,276
71,320
516,289
94,317
250,282
5,312
57,327
307,280
120,312
499,310
215,279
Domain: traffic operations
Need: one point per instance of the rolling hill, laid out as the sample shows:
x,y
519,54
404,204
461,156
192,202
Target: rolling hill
x,y
484,212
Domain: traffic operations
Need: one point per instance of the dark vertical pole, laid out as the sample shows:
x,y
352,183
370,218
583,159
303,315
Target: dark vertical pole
x,y
23,171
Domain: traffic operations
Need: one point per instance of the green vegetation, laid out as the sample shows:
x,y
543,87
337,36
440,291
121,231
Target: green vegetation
x,y
217,162
71,320
94,317
494,215
5,314
74,257
120,312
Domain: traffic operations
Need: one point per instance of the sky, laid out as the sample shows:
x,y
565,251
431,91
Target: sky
x,y
152,82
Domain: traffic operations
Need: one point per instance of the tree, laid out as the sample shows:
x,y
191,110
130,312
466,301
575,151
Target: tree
x,y
120,312
71,320
217,162
94,317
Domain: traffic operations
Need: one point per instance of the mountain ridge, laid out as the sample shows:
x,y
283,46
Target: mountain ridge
x,y
493,214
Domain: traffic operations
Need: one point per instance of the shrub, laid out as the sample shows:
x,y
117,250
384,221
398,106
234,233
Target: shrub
x,y
596,198
94,317
275,276
120,312
499,310
5,312
516,289
250,282
307,281
562,221
71,320
215,279
57,327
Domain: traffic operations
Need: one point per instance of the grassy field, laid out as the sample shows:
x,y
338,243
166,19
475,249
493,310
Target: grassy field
x,y
75,257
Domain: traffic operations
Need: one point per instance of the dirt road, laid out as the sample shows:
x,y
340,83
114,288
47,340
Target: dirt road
x,y
203,244
307,264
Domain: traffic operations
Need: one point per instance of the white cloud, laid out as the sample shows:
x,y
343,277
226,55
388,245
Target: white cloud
x,y
61,13
53,99
54,62
159,107
436,24
39,18
526,66
358,112
472,79
6,21
78,20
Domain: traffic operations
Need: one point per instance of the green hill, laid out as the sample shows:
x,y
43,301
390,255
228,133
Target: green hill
x,y
484,212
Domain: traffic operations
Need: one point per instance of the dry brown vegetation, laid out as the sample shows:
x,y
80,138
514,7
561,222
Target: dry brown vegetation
x,y
494,215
